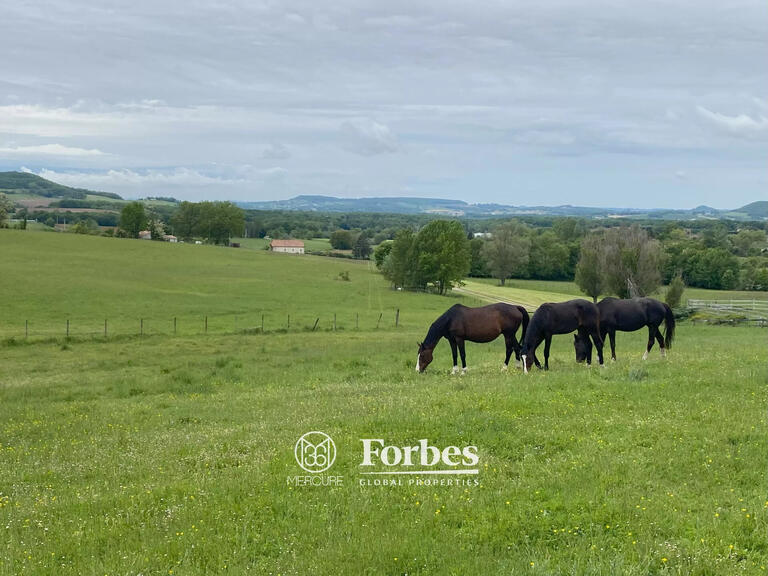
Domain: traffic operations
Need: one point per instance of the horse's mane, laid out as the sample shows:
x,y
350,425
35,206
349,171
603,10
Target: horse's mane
x,y
439,327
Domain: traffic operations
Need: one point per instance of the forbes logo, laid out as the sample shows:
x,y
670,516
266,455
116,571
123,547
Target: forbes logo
x,y
315,452
422,455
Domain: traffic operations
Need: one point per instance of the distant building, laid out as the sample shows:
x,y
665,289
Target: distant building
x,y
145,235
288,246
481,235
170,238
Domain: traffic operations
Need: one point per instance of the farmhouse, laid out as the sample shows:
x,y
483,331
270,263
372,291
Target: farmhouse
x,y
170,238
145,235
289,246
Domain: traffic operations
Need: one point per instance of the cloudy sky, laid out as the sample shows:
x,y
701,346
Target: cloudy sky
x,y
603,103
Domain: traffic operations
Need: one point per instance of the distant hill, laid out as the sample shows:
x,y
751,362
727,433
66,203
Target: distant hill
x,y
757,210
402,205
26,184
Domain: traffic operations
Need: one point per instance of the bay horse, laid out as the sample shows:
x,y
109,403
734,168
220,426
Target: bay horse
x,y
484,324
627,316
561,318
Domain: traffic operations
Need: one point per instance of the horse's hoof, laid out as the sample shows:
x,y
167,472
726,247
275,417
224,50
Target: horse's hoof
x,y
503,367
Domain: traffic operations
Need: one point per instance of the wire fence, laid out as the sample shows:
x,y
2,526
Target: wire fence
x,y
196,325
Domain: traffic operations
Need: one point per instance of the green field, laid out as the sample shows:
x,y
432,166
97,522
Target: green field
x,y
169,455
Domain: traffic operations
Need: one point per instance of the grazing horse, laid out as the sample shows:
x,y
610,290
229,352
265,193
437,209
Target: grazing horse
x,y
560,318
460,323
628,316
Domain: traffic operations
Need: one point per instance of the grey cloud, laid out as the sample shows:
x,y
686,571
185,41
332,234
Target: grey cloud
x,y
539,97
368,137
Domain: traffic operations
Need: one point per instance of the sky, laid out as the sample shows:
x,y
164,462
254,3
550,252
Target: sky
x,y
596,103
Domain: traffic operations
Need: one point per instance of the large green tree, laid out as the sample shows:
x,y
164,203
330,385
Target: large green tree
x,y
589,270
441,254
508,250
133,219
632,262
398,264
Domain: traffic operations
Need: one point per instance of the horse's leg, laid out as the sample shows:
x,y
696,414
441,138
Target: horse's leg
x,y
599,345
517,348
508,344
547,342
651,335
660,340
452,342
462,352
612,336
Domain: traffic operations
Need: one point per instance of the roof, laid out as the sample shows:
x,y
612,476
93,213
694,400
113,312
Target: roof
x,y
287,244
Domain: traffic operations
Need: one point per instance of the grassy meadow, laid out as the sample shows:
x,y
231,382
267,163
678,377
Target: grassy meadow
x,y
169,455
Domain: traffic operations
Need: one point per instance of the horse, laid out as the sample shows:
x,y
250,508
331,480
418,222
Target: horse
x,y
484,324
628,316
560,318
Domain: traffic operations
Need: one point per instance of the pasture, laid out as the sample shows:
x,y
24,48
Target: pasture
x,y
169,455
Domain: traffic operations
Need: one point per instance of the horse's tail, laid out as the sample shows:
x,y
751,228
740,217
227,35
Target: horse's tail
x,y
526,318
669,326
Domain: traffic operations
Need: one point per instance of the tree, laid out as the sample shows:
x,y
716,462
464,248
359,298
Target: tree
x,y
341,240
155,228
589,270
632,265
381,252
674,294
362,247
185,220
397,267
549,258
217,222
508,250
5,208
441,252
133,219
478,265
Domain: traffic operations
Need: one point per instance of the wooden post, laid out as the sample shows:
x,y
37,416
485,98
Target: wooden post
x,y
206,324
262,323
397,318
315,326
334,321
379,320
357,320
289,321
141,330
67,327
174,325
26,328
105,327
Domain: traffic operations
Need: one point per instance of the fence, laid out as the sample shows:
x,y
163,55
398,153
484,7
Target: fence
x,y
188,325
731,311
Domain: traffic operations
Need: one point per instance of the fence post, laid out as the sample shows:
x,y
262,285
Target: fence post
x,y
357,320
315,326
262,323
174,325
141,330
67,327
26,329
206,324
379,320
105,327
289,321
397,318
334,321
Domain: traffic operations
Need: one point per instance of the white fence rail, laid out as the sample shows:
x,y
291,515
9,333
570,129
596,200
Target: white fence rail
x,y
749,309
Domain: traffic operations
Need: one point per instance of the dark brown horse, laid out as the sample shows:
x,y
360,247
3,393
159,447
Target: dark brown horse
x,y
560,318
627,316
483,324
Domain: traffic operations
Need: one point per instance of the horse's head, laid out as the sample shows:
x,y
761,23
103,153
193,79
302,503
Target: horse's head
x,y
526,355
582,346
424,358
